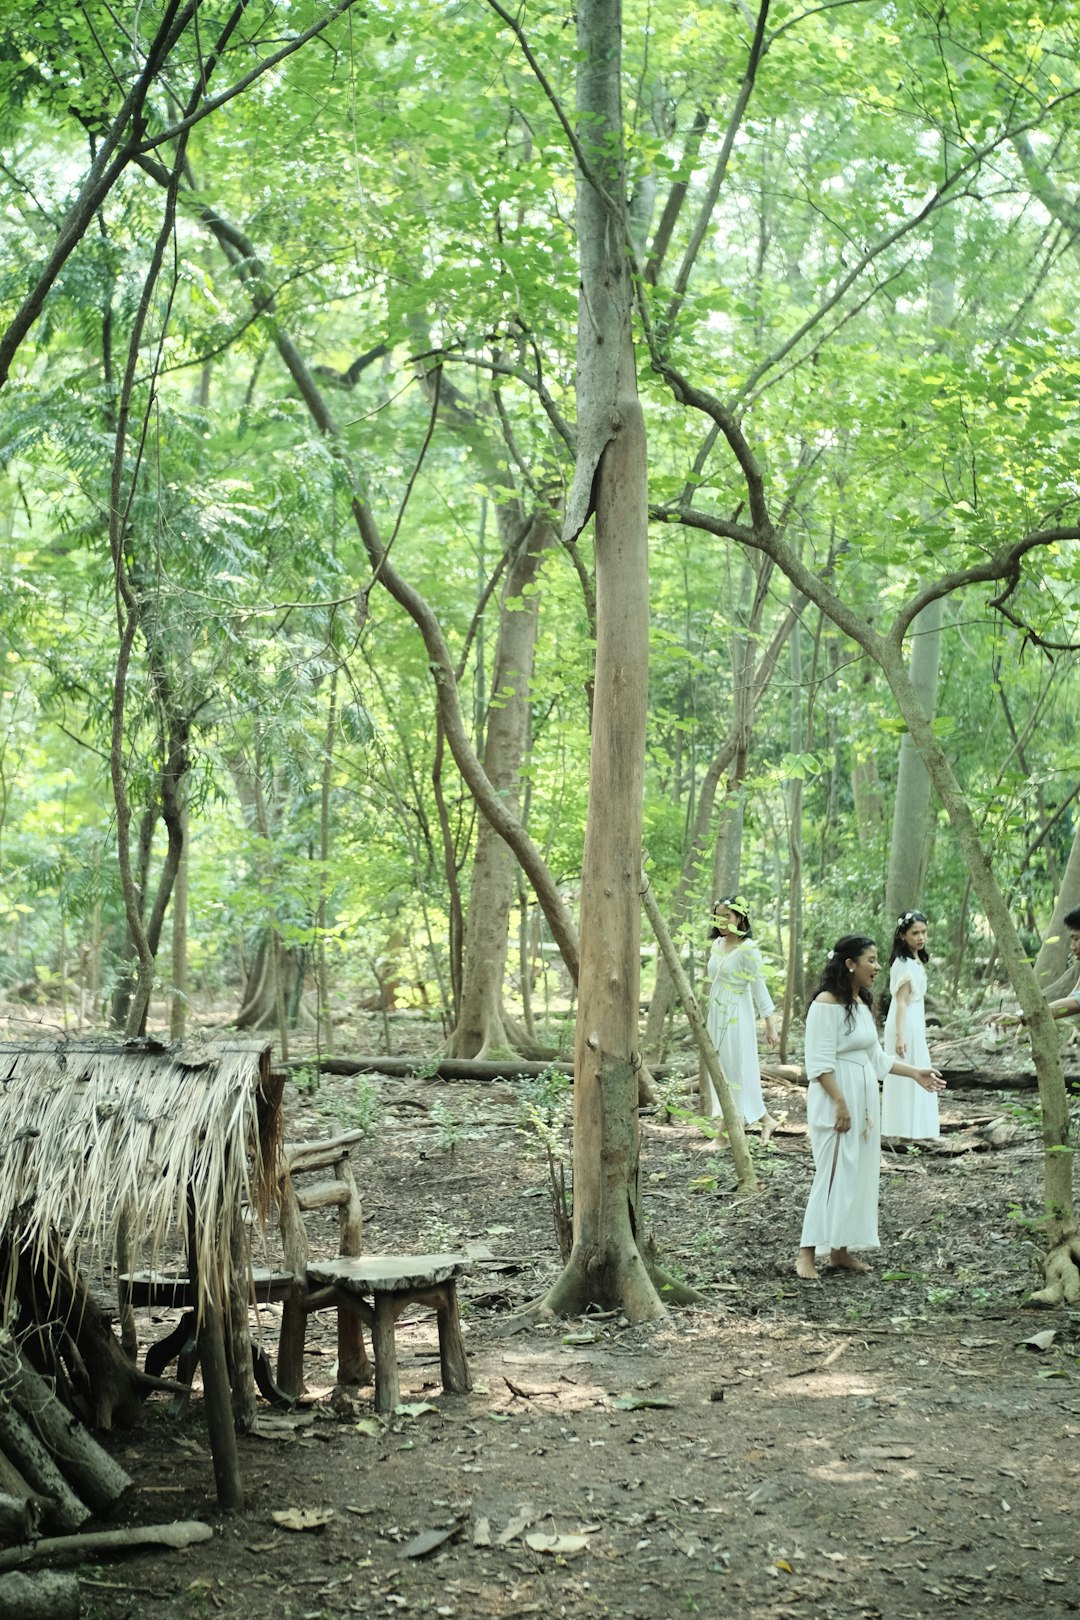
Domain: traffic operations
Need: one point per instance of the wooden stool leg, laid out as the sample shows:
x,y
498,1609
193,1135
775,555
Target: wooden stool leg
x,y
290,1363
387,1385
455,1367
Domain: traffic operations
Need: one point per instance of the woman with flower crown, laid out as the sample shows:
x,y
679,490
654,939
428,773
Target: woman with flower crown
x,y
908,1113
844,1062
737,994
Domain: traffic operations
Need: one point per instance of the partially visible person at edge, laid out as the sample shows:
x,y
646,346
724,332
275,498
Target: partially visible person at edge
x,y
844,1062
737,995
1065,1006
908,1112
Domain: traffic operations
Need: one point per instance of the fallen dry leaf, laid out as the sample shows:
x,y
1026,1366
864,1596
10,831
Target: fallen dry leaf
x,y
560,1546
302,1518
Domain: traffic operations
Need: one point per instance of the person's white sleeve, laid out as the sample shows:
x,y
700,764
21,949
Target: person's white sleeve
x,y
712,966
882,1060
763,1002
900,973
822,1023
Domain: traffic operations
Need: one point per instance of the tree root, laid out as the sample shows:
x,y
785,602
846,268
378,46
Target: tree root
x,y
621,1282
671,1289
1061,1271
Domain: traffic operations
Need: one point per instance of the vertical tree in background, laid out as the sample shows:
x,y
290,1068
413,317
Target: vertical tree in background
x,y
610,485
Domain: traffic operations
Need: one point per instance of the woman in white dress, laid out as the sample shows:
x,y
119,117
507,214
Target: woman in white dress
x,y
737,994
907,1111
844,1062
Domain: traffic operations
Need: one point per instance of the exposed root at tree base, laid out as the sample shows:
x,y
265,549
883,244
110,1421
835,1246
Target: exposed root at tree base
x,y
1062,1273
497,1033
671,1289
623,1284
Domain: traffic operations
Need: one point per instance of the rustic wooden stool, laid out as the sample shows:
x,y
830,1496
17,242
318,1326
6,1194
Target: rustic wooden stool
x,y
378,1287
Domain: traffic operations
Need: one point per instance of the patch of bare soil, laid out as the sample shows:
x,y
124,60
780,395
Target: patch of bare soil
x,y
860,1446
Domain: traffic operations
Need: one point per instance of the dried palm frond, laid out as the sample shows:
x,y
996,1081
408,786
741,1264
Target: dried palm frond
x,y
90,1127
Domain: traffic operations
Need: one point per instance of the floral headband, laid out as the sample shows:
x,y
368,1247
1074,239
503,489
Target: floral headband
x,y
910,917
733,902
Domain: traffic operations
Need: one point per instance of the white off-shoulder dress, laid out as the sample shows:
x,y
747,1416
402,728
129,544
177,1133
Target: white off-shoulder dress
x,y
906,1109
842,1210
737,996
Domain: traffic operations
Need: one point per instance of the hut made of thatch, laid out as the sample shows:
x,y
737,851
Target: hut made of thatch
x,y
160,1144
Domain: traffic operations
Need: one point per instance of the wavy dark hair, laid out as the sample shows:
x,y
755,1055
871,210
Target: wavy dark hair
x,y
836,979
736,904
901,950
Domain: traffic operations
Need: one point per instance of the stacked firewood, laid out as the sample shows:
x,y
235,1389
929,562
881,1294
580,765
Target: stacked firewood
x,y
53,1478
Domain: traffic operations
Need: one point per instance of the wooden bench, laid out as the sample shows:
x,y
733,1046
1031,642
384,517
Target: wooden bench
x,y
375,1289
173,1291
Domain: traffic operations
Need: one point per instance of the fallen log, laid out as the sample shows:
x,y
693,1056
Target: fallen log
x,y
95,1476
183,1533
73,1339
18,1518
62,1510
409,1068
413,1068
49,1596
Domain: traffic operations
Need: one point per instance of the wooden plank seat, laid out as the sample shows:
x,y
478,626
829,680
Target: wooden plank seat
x,y
173,1291
375,1289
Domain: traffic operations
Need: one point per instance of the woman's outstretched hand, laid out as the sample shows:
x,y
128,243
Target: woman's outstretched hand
x,y
929,1079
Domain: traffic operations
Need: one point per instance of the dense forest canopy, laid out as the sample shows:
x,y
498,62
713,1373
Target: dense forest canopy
x,y
307,325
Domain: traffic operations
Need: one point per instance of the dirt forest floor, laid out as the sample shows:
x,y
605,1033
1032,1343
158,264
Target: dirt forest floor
x,y
885,1445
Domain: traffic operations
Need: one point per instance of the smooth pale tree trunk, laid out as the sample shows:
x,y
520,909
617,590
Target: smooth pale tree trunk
x,y
866,784
483,1023
691,878
909,849
324,1023
1052,962
606,1265
910,846
794,981
179,1002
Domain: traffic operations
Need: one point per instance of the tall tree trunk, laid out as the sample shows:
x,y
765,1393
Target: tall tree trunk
x,y
794,981
910,846
606,1264
324,1022
909,851
482,1020
691,879
179,1004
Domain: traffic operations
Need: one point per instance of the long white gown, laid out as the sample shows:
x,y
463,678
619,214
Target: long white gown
x,y
842,1210
906,1109
736,996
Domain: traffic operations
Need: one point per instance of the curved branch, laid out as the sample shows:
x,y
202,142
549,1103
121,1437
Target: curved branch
x,y
693,247
1002,565
292,45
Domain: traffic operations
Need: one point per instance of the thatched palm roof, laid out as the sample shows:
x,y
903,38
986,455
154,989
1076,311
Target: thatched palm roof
x,y
89,1128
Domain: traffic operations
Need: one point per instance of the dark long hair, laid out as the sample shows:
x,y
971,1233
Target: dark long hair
x,y
836,979
737,905
901,950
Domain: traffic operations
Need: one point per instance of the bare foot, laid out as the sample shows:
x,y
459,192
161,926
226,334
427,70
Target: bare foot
x,y
804,1265
844,1260
768,1125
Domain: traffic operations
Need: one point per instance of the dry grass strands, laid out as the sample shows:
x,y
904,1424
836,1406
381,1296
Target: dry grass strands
x,y
91,1127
